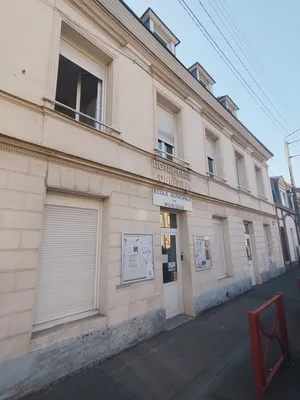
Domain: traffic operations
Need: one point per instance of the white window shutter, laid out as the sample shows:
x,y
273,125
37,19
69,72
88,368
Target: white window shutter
x,y
67,271
165,125
80,59
210,149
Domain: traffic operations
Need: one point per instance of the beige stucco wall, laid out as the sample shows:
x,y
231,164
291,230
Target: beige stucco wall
x,y
133,104
57,153
128,206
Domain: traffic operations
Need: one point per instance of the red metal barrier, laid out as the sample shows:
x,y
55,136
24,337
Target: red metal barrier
x,y
259,355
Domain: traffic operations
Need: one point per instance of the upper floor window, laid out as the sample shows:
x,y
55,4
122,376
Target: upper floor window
x,y
211,152
79,86
283,197
202,76
166,124
227,102
160,30
240,170
259,181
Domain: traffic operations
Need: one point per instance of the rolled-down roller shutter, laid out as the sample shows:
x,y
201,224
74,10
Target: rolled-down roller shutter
x,y
67,270
165,125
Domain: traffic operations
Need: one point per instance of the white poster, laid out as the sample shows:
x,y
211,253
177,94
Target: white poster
x,y
202,252
137,257
172,200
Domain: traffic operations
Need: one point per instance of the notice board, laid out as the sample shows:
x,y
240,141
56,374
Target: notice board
x,y
202,252
137,257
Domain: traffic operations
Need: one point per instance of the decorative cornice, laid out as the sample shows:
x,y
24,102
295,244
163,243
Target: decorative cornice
x,y
93,12
58,157
167,79
106,12
212,119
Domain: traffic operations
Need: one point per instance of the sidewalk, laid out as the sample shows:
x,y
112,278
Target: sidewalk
x,y
207,358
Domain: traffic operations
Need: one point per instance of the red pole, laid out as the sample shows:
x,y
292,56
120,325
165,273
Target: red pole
x,y
282,324
257,354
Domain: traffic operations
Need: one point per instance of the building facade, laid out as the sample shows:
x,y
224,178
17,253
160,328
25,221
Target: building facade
x,y
129,193
287,221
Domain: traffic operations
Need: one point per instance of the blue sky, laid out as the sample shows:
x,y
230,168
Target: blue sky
x,y
271,28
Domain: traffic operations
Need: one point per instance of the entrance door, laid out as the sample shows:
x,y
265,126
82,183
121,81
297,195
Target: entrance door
x,y
249,253
171,271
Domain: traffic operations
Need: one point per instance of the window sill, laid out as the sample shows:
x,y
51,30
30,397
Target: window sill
x,y
262,197
220,278
66,331
242,189
215,177
203,269
96,121
175,160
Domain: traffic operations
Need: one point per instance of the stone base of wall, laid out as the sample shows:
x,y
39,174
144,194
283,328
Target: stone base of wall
x,y
35,370
272,273
219,295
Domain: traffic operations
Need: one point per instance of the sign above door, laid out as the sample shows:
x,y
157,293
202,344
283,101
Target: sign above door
x,y
172,200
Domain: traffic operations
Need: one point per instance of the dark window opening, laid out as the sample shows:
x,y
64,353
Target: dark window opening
x,y
211,167
78,89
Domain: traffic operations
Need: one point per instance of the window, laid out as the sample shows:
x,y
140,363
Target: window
x,y
160,39
163,39
211,157
166,122
168,220
246,228
240,171
211,166
79,85
259,181
283,197
218,249
68,260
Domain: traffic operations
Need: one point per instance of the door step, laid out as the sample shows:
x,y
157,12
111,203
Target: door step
x,y
178,320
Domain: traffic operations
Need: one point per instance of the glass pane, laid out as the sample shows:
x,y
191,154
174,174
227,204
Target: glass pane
x,y
160,147
211,167
66,85
246,228
168,220
169,258
88,99
248,249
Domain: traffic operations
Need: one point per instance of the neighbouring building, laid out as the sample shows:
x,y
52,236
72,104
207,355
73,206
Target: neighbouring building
x,y
285,210
129,193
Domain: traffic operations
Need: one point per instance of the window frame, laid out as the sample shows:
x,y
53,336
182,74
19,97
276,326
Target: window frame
x,y
260,185
211,157
78,201
85,61
163,151
240,168
164,144
211,161
283,197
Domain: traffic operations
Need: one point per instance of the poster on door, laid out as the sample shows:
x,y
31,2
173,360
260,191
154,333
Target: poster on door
x,y
137,257
202,252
